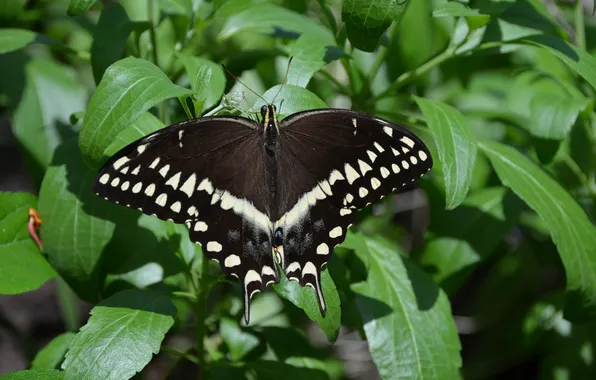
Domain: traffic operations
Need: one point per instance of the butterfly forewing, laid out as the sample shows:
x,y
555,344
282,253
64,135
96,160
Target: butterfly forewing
x,y
211,175
331,162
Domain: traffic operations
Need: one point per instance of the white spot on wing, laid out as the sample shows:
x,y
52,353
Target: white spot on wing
x,y
395,152
364,167
137,188
154,163
363,192
351,174
124,170
322,249
188,186
413,160
395,168
119,162
344,211
293,266
227,200
104,178
125,186
201,226
206,185
422,155
214,246
371,155
162,199
388,130
385,172
349,198
326,187
164,171
115,182
136,171
174,180
336,176
141,148
404,149
405,164
232,261
379,147
408,141
150,190
375,183
336,232
176,207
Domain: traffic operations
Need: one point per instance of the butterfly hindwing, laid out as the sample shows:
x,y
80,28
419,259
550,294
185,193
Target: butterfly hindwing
x,y
197,173
333,162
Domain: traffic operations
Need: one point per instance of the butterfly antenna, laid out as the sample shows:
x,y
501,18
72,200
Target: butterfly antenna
x,y
248,88
285,80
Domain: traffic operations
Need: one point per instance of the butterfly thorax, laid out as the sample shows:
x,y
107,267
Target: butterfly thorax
x,y
270,127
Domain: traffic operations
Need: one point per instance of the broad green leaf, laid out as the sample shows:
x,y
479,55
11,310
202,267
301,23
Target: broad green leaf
x,y
109,38
310,53
290,100
239,342
454,8
22,266
577,59
207,80
306,299
143,126
76,7
53,353
41,121
128,88
76,224
569,226
177,7
469,234
366,20
121,336
553,115
34,374
407,318
456,145
14,39
270,19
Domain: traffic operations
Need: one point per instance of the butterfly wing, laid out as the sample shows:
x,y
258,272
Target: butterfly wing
x,y
212,175
331,162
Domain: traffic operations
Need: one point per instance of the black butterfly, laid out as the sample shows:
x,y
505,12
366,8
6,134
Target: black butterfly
x,y
253,192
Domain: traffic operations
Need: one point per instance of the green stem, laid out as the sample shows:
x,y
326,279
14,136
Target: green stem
x,y
179,354
342,88
329,16
575,169
381,55
161,109
580,32
409,75
68,307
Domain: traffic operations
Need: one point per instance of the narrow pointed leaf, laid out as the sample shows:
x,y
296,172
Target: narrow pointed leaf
x,y
53,353
456,145
569,226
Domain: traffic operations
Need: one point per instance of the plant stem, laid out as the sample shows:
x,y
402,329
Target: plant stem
x,y
161,109
409,75
381,55
343,89
179,354
580,32
68,307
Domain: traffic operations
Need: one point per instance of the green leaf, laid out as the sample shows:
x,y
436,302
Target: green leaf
x,y
366,20
577,59
10,10
294,98
239,342
109,38
310,53
306,299
53,353
266,18
143,126
14,39
553,115
129,88
207,80
407,318
122,334
453,8
34,374
569,226
456,146
76,7
76,223
22,267
51,95
469,234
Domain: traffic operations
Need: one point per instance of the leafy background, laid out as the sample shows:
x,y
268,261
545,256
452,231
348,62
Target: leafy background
x,y
485,269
